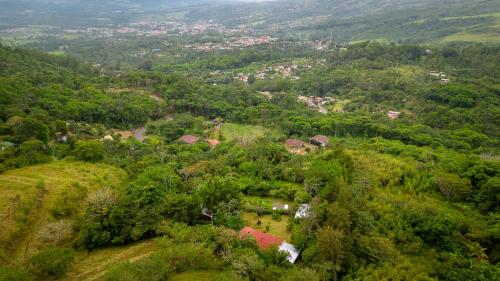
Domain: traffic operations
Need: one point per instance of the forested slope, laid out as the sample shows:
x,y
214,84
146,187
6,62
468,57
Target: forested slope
x,y
410,197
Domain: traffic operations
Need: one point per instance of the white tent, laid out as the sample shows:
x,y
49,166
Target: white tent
x,y
290,249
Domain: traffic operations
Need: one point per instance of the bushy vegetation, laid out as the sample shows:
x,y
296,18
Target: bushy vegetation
x,y
411,198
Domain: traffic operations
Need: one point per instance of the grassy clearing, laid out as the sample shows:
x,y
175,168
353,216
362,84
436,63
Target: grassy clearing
x,y
255,201
276,228
339,105
29,196
93,265
491,37
57,53
246,133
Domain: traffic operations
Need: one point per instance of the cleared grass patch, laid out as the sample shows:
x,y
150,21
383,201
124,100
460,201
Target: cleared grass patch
x,y
255,201
246,133
93,265
29,196
268,224
492,37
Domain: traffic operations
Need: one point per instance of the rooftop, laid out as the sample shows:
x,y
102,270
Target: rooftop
x,y
189,139
264,240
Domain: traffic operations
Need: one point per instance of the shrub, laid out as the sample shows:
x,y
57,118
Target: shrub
x,y
10,274
53,261
90,151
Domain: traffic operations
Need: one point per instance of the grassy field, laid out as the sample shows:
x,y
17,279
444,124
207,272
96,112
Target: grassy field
x,y
30,196
265,202
246,133
93,265
490,35
276,228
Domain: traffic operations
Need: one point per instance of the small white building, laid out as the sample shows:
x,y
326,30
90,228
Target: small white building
x,y
290,249
393,114
303,211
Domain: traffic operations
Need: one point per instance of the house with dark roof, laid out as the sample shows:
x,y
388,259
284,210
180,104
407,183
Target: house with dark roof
x,y
320,140
264,240
189,139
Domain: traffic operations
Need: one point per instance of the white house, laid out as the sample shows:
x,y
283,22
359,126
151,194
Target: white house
x,y
290,249
302,212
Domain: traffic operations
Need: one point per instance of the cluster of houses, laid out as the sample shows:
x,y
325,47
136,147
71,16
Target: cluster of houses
x,y
191,139
316,102
157,28
266,240
296,146
440,75
234,43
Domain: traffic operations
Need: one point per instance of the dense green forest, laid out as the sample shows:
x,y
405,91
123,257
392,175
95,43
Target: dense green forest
x,y
409,198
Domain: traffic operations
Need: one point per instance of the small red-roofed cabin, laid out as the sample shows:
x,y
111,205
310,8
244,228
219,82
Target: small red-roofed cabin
x,y
264,240
189,139
213,143
293,143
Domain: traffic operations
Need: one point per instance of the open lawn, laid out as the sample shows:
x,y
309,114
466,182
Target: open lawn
x,y
276,228
29,198
490,37
93,265
255,201
246,133
339,105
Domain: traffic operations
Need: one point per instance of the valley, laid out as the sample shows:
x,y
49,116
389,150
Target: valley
x,y
249,140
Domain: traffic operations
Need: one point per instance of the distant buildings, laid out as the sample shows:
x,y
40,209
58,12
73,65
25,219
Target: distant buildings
x,y
189,139
316,102
213,143
320,140
294,143
440,75
393,114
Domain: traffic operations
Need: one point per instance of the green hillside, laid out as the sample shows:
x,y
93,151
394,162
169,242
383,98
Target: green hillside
x,y
36,198
192,147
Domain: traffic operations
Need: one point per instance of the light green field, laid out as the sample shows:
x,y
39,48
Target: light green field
x,y
93,265
265,202
339,105
246,133
276,228
492,38
57,53
28,196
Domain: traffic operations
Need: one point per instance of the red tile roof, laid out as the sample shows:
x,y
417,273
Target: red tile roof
x,y
213,143
319,140
264,240
189,139
295,143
